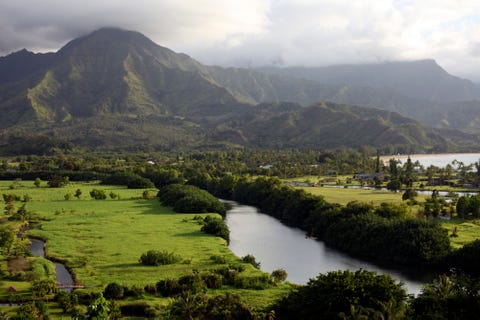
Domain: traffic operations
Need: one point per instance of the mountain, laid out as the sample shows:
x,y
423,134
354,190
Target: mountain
x,y
118,89
422,80
329,125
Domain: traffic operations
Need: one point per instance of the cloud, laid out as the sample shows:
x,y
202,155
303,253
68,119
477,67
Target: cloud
x,y
259,32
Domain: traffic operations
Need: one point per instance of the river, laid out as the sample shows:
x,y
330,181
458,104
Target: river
x,y
438,160
62,275
276,245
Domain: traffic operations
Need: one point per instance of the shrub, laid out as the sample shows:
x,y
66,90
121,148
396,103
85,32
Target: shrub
x,y
150,289
186,198
98,194
251,259
212,280
58,181
113,291
138,309
192,283
156,258
279,275
168,287
216,226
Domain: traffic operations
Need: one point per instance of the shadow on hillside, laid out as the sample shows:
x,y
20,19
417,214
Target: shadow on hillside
x,y
152,207
191,234
121,265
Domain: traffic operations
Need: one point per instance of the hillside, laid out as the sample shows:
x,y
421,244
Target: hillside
x,y
421,79
118,89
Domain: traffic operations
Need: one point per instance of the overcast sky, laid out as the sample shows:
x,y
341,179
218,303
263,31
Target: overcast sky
x,y
264,32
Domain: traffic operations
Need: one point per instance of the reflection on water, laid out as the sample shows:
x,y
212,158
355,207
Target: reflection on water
x,y
438,160
276,246
62,275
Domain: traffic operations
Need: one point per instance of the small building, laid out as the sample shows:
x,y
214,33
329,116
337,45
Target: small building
x,y
12,289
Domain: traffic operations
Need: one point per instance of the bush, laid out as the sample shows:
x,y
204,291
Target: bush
x,y
113,291
168,287
150,289
192,283
186,198
212,280
98,194
137,309
279,275
251,259
157,258
216,226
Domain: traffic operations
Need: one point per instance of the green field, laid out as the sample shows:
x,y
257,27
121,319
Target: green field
x,y
101,241
467,231
346,195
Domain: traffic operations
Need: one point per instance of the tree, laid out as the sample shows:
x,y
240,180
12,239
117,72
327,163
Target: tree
x,y
78,193
9,205
98,309
377,162
7,238
37,182
394,185
409,194
393,168
27,198
408,176
463,206
32,310
279,275
216,226
43,288
146,194
328,295
58,181
448,297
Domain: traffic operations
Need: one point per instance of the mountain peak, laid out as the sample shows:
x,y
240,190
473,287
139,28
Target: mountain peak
x,y
109,37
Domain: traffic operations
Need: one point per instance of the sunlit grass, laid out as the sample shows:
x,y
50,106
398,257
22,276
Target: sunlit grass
x,y
345,195
101,241
466,230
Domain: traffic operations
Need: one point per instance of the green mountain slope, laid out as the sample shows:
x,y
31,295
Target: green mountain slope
x,y
117,89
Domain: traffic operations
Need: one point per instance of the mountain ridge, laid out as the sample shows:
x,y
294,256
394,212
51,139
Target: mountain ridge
x,y
150,96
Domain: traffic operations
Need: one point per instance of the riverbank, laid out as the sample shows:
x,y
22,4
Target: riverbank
x,y
276,245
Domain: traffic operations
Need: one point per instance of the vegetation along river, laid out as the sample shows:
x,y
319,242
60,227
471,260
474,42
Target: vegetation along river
x,y
276,245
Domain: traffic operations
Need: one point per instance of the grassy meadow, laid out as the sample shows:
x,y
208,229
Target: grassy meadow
x,y
101,241
466,230
346,195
